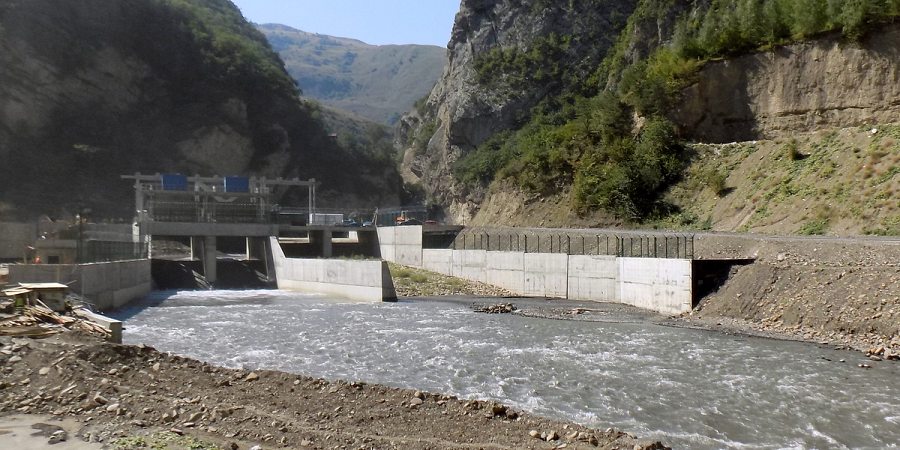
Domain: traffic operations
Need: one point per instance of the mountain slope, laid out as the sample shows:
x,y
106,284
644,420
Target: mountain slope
x,y
506,58
519,127
93,89
375,82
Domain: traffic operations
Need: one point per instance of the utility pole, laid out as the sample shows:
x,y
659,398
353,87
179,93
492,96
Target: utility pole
x,y
78,249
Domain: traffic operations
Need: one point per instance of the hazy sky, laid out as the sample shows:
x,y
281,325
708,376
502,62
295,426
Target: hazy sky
x,y
376,22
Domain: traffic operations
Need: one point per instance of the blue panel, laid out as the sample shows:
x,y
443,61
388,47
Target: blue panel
x,y
237,184
174,182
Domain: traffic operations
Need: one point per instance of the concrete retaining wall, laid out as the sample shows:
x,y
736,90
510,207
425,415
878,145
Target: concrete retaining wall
x,y
470,264
662,285
438,260
593,277
401,244
506,269
546,274
367,281
106,285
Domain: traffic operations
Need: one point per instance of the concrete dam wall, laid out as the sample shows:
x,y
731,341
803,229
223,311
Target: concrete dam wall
x,y
657,284
361,280
106,285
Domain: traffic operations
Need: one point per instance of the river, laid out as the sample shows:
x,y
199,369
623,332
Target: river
x,y
690,389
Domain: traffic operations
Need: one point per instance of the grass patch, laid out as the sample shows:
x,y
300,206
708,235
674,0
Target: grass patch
x,y
814,227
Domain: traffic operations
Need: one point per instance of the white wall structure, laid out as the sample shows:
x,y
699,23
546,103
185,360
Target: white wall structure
x,y
546,274
366,281
106,285
401,244
662,285
438,260
506,269
470,264
593,277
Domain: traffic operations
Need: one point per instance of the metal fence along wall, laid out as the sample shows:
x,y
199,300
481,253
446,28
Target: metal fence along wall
x,y
208,212
106,251
663,245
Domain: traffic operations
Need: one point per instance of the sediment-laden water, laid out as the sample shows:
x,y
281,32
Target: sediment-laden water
x,y
690,389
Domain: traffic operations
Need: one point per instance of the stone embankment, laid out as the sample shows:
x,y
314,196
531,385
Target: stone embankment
x,y
132,397
844,292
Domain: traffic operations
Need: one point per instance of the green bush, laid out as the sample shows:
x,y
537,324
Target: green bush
x,y
715,180
815,227
730,27
790,150
482,164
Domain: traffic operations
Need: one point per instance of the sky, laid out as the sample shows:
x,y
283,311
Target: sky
x,y
375,22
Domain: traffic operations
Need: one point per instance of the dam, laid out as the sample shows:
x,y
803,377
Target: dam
x,y
193,227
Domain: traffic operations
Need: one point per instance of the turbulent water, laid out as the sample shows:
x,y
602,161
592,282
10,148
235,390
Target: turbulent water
x,y
687,388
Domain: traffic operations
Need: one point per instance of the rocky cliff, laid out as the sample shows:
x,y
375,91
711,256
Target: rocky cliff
x,y
825,82
822,84
93,89
462,113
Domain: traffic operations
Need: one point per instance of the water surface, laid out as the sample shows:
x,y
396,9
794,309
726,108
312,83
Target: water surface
x,y
690,389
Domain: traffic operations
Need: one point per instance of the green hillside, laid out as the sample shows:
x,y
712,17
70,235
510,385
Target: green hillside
x,y
93,89
376,82
611,137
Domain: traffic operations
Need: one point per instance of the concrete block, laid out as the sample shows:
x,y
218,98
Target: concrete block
x,y
470,264
506,270
106,285
367,281
662,285
438,260
401,245
546,274
594,278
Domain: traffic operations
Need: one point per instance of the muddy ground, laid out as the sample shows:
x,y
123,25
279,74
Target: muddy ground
x,y
134,397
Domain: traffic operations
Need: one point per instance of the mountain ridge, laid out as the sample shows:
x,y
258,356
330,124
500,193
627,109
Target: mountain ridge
x,y
378,82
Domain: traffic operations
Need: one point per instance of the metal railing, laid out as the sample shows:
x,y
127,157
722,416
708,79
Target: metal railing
x,y
106,251
208,212
575,242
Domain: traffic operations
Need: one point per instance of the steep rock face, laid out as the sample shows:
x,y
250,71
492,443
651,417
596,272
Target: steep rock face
x,y
463,114
810,86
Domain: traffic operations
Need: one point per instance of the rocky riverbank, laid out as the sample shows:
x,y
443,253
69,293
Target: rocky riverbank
x,y
842,292
131,397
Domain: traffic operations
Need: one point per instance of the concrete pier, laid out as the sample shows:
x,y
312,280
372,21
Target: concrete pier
x,y
209,258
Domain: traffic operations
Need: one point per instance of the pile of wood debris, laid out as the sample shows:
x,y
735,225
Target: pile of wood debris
x,y
40,321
